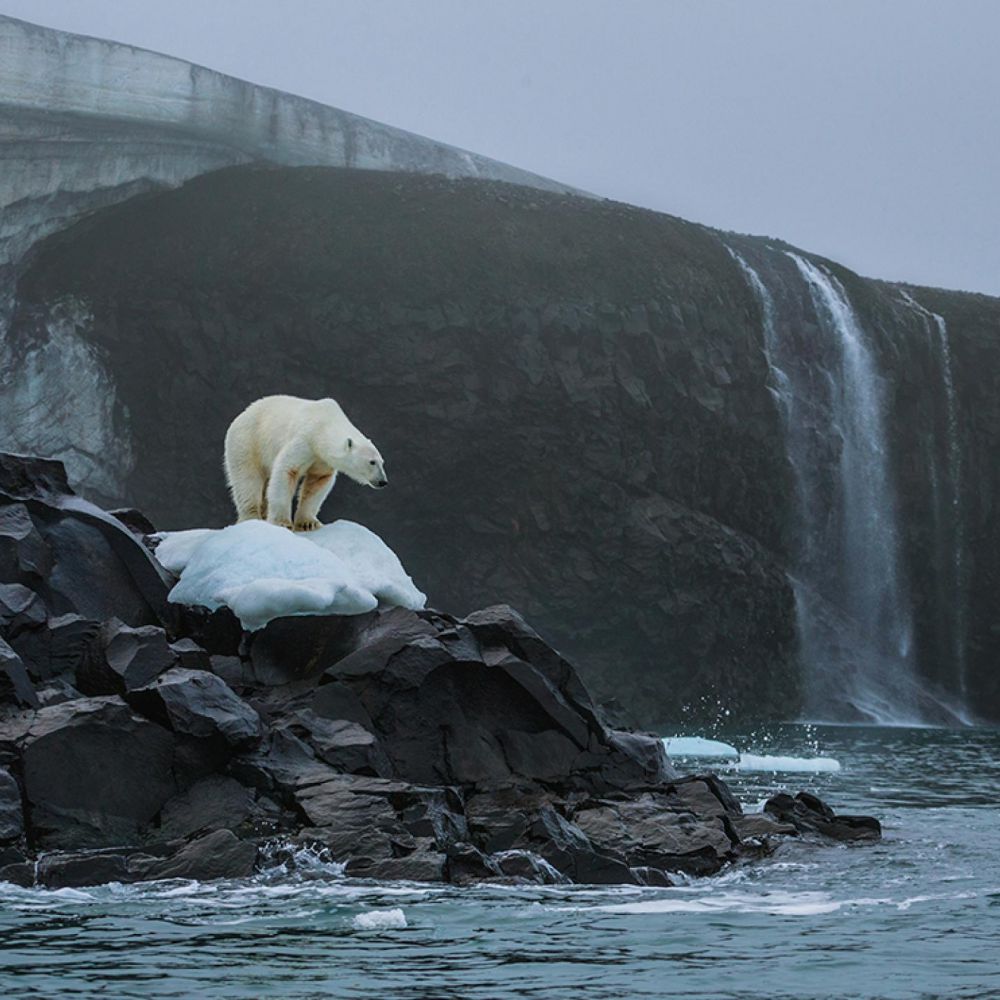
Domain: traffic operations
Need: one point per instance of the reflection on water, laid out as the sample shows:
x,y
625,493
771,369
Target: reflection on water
x,y
913,916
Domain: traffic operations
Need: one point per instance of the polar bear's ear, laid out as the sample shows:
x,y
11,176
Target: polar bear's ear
x,y
350,444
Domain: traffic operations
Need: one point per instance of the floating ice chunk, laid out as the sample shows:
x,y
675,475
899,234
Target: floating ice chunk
x,y
755,762
262,572
379,920
698,746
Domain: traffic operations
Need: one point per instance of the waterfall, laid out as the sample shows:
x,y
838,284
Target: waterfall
x,y
854,622
950,526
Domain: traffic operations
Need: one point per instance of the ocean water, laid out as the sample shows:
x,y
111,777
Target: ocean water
x,y
915,916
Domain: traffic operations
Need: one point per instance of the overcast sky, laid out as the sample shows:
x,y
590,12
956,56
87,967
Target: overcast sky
x,y
865,130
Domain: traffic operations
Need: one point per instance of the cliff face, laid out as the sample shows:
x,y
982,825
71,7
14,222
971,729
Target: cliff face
x,y
583,410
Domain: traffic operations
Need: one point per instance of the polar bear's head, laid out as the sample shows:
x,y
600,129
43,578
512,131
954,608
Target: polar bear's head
x,y
363,463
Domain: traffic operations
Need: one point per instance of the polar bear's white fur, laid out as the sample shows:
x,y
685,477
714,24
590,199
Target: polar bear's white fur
x,y
283,445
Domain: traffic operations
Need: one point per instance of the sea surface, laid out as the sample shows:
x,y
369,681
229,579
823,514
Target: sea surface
x,y
915,916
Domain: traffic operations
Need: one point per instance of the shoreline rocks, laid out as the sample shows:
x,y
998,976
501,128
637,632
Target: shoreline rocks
x,y
142,740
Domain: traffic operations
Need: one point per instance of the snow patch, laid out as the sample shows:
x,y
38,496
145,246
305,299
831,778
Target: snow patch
x,y
262,572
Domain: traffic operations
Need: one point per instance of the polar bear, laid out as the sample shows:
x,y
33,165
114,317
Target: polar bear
x,y
282,445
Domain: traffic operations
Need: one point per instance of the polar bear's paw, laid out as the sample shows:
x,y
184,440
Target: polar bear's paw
x,y
308,525
281,523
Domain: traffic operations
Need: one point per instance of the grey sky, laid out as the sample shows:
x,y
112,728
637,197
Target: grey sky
x,y
866,130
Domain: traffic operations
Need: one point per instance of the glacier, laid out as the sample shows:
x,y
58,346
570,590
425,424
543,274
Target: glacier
x,y
86,123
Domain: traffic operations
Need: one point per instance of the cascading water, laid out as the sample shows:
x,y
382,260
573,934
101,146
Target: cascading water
x,y
852,603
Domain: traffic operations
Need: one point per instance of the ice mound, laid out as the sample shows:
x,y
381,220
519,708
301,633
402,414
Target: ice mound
x,y
262,572
379,920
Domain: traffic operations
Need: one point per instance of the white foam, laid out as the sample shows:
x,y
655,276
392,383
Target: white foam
x,y
793,904
379,920
698,746
262,572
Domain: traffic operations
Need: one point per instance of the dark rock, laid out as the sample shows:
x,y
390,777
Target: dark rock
x,y
68,753
59,544
566,846
58,871
134,520
190,655
808,814
24,556
11,812
422,865
526,866
20,608
655,830
19,873
64,648
15,685
344,745
199,704
761,827
215,855
130,658
214,803
401,744
56,691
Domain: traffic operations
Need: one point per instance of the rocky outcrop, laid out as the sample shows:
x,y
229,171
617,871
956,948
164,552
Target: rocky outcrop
x,y
163,742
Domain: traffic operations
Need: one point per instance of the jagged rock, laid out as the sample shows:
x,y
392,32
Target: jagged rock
x,y
199,704
65,646
346,746
130,658
809,814
95,772
15,685
219,854
134,520
76,557
422,865
214,803
404,744
20,608
24,556
527,867
761,827
650,830
11,812
566,846
59,871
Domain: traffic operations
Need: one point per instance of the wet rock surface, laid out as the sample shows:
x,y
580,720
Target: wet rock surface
x,y
405,745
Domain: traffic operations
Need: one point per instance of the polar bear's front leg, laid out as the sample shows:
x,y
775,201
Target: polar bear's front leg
x,y
285,475
315,489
